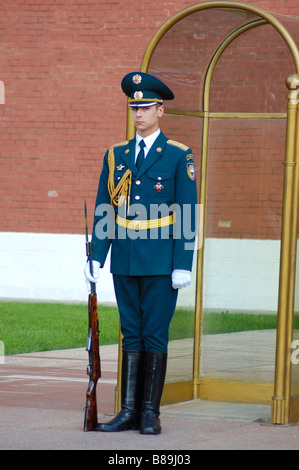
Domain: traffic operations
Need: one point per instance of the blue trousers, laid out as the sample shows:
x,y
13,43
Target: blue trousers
x,y
146,306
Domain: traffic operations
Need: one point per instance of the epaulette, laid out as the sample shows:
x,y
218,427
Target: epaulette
x,y
120,144
177,144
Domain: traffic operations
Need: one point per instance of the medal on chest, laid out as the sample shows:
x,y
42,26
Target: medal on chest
x,y
158,186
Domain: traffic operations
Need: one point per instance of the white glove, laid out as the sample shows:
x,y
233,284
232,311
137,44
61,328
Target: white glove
x,y
88,277
180,278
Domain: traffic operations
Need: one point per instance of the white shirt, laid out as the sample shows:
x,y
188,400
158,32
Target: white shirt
x,y
149,140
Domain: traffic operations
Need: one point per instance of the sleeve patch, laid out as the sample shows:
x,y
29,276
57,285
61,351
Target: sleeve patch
x,y
191,171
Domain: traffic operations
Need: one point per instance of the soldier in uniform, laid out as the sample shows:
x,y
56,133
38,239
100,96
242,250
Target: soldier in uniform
x,y
145,185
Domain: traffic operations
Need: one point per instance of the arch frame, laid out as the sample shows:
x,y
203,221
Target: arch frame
x,y
268,17
284,408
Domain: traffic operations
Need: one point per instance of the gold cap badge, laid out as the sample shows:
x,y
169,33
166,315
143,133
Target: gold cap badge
x,y
137,79
138,95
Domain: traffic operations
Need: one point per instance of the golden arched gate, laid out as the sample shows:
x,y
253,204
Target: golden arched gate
x,y
234,331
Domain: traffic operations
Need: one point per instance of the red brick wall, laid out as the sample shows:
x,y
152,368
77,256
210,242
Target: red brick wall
x,y
62,62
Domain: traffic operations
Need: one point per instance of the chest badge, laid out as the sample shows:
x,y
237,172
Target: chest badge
x,y
120,167
159,186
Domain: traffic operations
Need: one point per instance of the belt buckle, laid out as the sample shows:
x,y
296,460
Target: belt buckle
x,y
136,225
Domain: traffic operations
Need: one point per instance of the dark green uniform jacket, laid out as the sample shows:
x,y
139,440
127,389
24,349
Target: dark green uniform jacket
x,y
164,185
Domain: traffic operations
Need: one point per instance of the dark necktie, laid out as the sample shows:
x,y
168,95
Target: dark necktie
x,y
140,156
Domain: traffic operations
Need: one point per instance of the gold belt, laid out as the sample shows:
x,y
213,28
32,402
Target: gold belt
x,y
144,224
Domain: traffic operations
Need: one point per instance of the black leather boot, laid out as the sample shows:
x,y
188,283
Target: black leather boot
x,y
155,370
131,394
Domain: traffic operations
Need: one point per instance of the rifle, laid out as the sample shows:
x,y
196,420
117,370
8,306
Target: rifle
x,y
92,346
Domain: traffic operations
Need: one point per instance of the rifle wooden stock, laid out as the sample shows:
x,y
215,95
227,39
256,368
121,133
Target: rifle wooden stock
x,y
94,366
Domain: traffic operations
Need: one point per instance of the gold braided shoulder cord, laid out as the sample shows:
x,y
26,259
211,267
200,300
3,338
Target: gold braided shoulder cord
x,y
122,191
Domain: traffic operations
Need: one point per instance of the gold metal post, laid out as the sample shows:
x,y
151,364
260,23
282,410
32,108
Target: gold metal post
x,y
282,384
117,395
